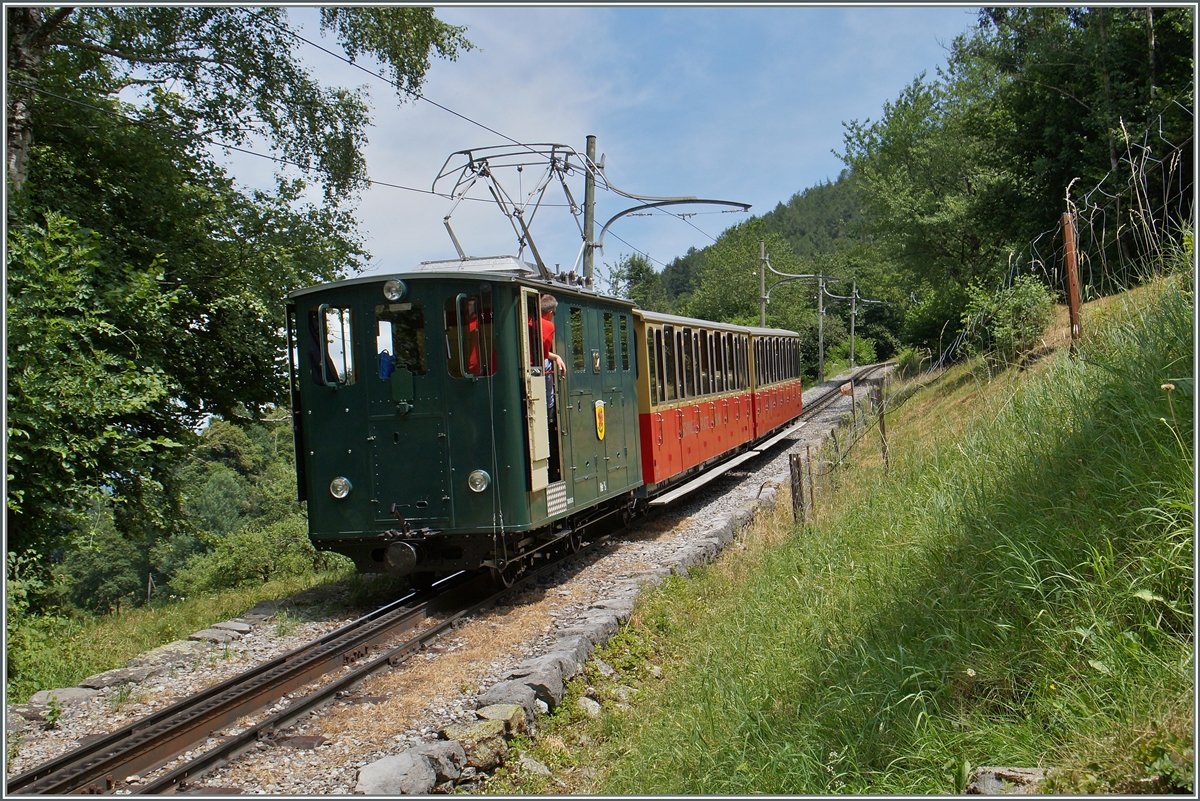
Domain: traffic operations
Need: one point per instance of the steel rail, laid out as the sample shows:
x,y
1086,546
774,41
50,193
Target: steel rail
x,y
166,733
177,778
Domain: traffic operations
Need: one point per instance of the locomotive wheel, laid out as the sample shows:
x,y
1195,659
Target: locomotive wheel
x,y
504,577
574,542
422,580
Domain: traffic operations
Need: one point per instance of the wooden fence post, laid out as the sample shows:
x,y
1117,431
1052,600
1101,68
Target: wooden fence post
x,y
811,493
797,475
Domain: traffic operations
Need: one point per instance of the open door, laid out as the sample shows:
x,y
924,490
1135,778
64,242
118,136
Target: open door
x,y
536,425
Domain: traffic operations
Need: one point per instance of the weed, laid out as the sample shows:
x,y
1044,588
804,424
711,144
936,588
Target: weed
x,y
54,711
285,622
14,739
120,696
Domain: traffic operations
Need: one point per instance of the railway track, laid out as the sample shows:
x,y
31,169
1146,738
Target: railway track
x,y
100,766
145,746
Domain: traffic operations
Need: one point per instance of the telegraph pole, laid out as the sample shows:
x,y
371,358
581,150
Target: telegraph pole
x,y
853,315
589,211
821,330
762,283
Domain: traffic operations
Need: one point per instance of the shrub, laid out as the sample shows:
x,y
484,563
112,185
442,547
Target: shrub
x,y
912,361
1008,324
252,555
864,351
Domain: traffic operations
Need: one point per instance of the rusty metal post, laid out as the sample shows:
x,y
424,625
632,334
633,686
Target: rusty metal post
x,y
1068,221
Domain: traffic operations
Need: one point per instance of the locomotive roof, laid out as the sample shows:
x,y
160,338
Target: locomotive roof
x,y
674,319
495,268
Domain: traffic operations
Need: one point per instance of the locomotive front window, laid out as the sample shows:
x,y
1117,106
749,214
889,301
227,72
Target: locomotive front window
x,y
469,335
331,345
400,338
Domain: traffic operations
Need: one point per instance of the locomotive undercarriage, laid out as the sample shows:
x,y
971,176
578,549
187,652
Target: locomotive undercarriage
x,y
427,554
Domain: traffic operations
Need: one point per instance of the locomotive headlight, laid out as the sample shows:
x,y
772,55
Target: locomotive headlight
x,y
479,480
393,289
340,487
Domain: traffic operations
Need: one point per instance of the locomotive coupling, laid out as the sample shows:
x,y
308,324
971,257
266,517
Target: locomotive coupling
x,y
401,558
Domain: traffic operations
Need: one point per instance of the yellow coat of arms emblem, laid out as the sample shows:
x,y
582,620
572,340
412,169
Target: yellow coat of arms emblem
x,y
600,419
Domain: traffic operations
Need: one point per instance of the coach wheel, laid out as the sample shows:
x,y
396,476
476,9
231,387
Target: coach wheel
x,y
422,580
574,541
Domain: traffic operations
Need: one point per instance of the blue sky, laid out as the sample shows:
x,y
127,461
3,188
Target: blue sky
x,y
736,103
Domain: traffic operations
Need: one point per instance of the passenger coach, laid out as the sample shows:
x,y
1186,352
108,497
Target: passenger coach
x,y
709,390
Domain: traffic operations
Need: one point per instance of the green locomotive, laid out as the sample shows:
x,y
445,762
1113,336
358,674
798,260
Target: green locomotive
x,y
429,437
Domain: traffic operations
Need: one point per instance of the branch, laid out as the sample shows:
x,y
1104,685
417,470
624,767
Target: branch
x,y
52,22
134,57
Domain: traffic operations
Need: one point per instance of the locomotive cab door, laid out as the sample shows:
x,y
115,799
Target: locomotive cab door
x,y
532,366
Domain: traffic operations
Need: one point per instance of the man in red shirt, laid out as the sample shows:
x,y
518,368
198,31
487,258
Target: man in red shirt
x,y
554,364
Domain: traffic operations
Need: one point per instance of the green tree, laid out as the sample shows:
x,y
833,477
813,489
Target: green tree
x,y
635,278
78,406
232,72
144,288
728,286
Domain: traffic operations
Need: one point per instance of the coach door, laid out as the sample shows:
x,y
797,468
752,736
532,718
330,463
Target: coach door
x,y
534,382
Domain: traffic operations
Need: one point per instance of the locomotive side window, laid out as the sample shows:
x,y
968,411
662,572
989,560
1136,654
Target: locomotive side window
x,y
610,343
469,335
577,360
624,342
400,338
331,345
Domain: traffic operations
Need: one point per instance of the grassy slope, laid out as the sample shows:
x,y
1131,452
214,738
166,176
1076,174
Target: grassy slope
x,y
1017,591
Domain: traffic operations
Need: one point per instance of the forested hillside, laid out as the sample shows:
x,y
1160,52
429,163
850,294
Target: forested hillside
x,y
960,184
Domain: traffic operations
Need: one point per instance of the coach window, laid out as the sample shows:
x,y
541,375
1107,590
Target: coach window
x,y
660,375
717,375
331,345
577,360
652,367
672,373
689,364
400,338
469,335
705,367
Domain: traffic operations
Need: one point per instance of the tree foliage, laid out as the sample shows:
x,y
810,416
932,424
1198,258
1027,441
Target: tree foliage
x,y
221,71
635,278
144,287
962,172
